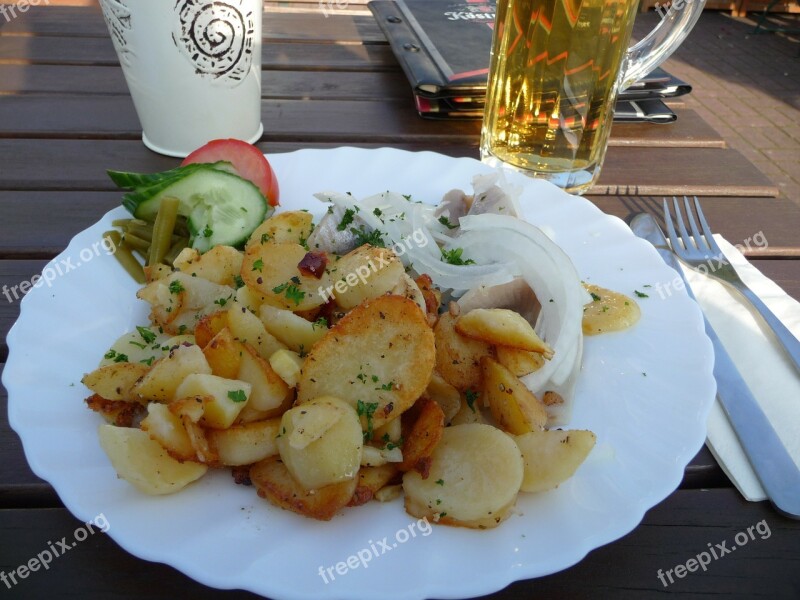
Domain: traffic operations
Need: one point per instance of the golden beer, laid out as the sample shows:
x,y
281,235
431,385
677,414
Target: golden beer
x,y
554,77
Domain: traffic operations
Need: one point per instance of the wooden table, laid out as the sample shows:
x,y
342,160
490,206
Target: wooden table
x,y
65,115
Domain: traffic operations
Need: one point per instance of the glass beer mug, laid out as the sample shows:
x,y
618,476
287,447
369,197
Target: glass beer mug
x,y
556,69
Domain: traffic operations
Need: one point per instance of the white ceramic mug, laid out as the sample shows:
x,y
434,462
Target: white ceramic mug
x,y
193,68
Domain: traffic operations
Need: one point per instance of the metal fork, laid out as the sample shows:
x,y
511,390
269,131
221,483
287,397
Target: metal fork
x,y
702,253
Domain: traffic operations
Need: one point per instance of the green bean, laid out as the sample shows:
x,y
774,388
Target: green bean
x,y
176,248
123,254
162,230
133,241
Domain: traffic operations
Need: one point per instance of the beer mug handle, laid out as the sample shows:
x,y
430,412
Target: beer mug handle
x,y
677,21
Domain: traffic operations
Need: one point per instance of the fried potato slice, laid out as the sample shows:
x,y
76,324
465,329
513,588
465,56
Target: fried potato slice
x,y
245,444
289,329
224,354
446,395
381,354
167,429
519,362
366,272
513,406
552,457
219,265
475,475
162,380
502,327
422,438
274,483
271,270
144,463
457,356
209,326
370,481
292,226
115,381
320,442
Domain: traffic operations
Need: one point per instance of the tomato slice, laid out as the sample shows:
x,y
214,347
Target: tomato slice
x,y
247,160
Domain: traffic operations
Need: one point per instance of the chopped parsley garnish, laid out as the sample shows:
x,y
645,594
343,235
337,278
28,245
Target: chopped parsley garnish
x,y
121,358
207,231
148,361
390,445
388,387
291,291
237,395
148,336
221,301
440,482
453,257
373,238
471,396
640,294
377,212
595,297
237,279
265,237
347,218
110,354
321,322
258,265
361,377
367,409
446,222
176,287
407,197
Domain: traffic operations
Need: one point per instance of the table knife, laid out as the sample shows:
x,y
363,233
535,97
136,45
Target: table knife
x,y
774,467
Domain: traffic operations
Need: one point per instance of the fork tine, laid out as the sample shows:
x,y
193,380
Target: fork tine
x,y
681,226
677,248
698,239
709,236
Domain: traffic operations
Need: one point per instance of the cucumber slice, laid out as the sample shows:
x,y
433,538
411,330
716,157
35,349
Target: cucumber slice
x,y
132,181
221,208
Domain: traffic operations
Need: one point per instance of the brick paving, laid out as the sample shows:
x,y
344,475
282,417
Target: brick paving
x,y
747,87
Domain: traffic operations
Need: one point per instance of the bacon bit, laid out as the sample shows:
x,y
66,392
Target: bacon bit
x,y
433,297
313,264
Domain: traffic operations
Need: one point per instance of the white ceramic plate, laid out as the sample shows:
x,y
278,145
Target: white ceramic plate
x,y
645,392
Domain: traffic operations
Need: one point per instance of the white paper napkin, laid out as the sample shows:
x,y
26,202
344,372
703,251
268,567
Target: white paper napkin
x,y
760,360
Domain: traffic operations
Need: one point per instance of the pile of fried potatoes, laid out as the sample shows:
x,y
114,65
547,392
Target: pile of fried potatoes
x,y
326,390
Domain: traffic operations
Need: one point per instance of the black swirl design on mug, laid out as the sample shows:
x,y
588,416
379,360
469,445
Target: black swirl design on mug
x,y
216,36
118,19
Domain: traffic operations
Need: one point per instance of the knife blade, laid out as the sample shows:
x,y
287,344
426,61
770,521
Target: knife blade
x,y
769,458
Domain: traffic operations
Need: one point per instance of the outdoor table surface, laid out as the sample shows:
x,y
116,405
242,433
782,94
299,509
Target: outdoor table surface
x,y
66,116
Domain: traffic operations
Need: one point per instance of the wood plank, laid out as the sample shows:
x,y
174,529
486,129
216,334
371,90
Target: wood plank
x,y
337,26
80,164
666,171
12,274
17,481
671,533
274,55
689,131
743,221
786,273
359,119
22,80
